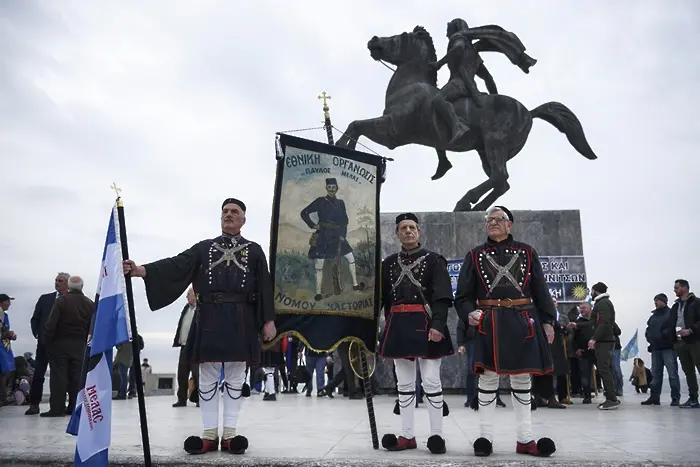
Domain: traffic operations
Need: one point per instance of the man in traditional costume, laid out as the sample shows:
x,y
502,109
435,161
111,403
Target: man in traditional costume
x,y
234,291
328,241
417,293
501,290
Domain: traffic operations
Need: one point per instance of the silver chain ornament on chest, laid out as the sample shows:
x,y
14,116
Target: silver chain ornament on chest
x,y
517,261
409,270
228,256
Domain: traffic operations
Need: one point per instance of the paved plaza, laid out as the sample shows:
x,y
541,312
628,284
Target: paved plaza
x,y
297,430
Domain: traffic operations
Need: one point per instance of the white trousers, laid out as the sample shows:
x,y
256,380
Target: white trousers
x,y
432,388
269,380
520,395
209,394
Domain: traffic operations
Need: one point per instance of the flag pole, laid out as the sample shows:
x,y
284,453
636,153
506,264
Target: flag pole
x,y
366,381
134,333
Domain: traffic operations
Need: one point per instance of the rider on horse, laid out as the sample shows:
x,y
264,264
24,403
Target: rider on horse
x,y
464,62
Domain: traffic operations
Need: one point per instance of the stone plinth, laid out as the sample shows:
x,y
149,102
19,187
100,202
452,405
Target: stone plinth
x,y
453,234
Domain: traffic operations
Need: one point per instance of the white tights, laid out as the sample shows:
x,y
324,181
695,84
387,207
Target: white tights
x,y
319,271
432,387
209,395
520,395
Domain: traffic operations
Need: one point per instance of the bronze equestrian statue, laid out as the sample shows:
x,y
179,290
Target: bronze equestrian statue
x,y
459,117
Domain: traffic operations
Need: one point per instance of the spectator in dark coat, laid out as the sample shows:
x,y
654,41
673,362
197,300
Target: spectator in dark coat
x,y
661,336
65,337
38,321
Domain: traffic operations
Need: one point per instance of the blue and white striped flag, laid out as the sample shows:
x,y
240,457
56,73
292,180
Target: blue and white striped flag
x,y
631,350
91,421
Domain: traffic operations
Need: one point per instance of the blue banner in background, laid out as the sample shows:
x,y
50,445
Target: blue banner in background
x,y
453,268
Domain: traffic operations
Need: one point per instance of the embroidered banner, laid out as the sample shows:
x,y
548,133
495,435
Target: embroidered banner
x,y
324,247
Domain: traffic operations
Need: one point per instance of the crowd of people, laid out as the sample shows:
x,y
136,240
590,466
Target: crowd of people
x,y
60,324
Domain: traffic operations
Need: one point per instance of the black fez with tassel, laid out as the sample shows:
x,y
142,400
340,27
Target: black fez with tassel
x,y
235,201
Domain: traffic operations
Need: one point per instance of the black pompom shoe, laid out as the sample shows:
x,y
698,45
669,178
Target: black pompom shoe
x,y
391,443
197,445
544,447
436,445
238,444
483,447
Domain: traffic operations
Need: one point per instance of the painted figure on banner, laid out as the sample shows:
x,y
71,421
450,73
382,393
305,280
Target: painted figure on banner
x,y
326,235
416,295
502,292
234,315
328,241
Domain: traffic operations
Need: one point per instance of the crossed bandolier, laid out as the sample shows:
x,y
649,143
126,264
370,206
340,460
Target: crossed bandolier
x,y
229,254
406,271
503,271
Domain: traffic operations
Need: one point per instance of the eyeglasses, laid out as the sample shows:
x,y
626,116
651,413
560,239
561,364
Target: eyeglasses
x,y
495,219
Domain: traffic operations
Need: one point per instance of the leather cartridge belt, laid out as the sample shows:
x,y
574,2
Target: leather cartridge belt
x,y
224,297
408,308
505,302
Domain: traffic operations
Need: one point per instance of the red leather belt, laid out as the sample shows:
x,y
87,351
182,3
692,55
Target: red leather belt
x,y
408,308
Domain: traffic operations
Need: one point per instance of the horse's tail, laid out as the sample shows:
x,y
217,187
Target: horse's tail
x,y
564,120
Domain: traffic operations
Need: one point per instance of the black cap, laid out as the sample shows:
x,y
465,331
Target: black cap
x,y
406,216
4,297
662,297
506,211
235,201
331,181
600,287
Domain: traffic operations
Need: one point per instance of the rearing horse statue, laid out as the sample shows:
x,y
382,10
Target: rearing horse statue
x,y
498,125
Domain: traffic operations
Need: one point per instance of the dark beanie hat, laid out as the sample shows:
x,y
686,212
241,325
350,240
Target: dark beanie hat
x,y
600,287
406,216
235,201
662,297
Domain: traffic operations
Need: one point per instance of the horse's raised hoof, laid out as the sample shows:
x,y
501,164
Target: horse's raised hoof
x,y
442,169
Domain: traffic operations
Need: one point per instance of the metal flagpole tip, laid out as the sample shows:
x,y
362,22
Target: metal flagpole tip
x,y
279,152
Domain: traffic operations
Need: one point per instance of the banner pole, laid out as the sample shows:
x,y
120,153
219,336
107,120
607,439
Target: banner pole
x,y
134,336
366,382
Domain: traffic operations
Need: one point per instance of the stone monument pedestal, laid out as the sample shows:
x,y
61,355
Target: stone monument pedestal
x,y
556,235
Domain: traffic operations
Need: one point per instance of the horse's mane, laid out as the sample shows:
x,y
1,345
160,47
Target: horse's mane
x,y
421,33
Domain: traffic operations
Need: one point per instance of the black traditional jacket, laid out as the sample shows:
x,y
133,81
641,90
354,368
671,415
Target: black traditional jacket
x,y
225,265
428,269
501,270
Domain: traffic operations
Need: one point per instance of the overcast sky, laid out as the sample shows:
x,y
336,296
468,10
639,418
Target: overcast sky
x,y
178,102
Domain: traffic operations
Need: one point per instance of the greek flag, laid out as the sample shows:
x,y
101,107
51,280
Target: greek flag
x,y
91,421
631,350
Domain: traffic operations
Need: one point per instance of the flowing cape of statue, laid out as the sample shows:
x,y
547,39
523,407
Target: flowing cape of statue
x,y
493,38
325,254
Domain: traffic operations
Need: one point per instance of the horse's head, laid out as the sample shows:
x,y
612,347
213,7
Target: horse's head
x,y
416,46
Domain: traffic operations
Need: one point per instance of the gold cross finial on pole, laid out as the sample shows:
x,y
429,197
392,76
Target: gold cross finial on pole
x,y
116,189
325,97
